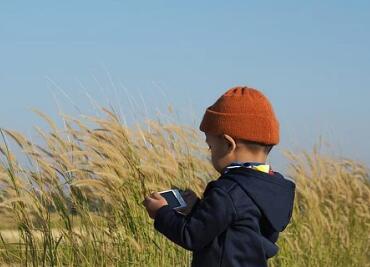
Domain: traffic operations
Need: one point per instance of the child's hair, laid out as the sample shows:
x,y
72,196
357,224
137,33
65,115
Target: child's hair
x,y
256,146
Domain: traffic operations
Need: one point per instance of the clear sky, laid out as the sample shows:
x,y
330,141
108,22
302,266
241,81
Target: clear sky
x,y
311,58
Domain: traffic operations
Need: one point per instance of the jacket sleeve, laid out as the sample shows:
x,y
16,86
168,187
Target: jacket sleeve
x,y
208,219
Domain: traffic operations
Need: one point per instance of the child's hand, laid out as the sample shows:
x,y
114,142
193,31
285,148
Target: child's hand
x,y
153,203
190,198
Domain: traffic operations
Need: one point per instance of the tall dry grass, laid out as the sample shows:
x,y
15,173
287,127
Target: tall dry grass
x,y
77,200
331,219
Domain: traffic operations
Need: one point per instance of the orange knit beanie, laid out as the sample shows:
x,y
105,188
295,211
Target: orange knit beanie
x,y
243,113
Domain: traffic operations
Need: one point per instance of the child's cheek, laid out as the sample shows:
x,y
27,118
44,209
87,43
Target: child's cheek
x,y
214,160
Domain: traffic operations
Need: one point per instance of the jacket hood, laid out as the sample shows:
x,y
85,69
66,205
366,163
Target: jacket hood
x,y
272,193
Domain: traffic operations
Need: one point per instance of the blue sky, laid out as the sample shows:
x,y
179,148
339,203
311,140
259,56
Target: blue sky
x,y
310,58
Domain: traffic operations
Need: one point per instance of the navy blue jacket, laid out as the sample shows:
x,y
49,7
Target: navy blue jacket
x,y
236,223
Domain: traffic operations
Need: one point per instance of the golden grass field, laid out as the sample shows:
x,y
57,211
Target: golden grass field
x,y
76,201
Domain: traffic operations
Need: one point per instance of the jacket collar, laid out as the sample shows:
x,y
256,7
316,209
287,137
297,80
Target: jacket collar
x,y
253,165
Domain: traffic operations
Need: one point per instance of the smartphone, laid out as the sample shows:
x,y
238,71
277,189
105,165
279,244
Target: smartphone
x,y
174,198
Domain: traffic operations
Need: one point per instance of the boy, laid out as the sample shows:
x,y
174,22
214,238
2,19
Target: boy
x,y
238,220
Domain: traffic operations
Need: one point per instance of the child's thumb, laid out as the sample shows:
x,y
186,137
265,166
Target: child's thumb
x,y
156,195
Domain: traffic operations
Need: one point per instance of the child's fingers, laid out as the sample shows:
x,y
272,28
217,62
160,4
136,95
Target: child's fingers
x,y
186,193
150,197
147,200
189,192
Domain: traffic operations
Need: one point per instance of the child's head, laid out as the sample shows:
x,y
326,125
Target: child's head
x,y
240,126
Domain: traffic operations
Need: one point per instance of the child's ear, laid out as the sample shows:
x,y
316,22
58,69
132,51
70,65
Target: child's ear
x,y
230,142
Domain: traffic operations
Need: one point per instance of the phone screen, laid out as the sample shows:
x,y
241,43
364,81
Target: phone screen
x,y
171,199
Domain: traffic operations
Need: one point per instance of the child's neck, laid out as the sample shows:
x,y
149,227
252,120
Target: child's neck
x,y
249,157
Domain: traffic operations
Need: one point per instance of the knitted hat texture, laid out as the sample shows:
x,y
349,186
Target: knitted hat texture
x,y
244,113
